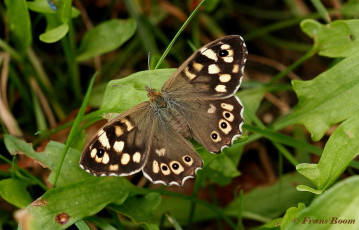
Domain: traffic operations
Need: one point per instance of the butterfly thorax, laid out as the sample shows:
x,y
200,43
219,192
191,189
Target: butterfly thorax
x,y
156,97
164,109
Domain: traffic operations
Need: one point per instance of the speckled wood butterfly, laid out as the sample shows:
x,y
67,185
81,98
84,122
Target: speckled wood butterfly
x,y
196,102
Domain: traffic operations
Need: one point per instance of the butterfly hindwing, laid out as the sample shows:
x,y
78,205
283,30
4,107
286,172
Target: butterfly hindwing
x,y
213,123
172,158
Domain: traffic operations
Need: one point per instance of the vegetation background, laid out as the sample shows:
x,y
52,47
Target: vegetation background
x,y
294,168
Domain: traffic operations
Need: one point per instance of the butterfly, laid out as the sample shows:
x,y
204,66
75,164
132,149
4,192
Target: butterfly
x,y
196,102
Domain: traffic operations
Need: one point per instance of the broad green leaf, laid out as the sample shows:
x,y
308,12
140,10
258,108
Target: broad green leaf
x,y
70,172
337,208
105,37
339,151
19,22
61,207
329,98
180,208
337,39
66,11
288,218
222,169
55,34
127,95
251,99
282,194
140,208
14,191
42,6
290,215
97,95
350,9
101,223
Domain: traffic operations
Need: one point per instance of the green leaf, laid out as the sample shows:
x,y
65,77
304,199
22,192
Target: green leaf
x,y
251,99
14,191
282,194
105,37
19,22
222,169
50,157
339,151
337,39
290,215
126,95
61,207
55,34
42,6
66,11
328,99
337,208
140,208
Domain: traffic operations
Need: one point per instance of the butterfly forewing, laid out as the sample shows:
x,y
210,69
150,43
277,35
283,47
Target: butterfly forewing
x,y
119,147
213,71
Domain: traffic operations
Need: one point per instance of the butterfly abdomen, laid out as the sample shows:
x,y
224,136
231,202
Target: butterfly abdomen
x,y
179,124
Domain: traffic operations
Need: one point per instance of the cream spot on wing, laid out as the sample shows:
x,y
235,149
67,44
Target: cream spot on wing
x,y
176,167
127,123
136,157
161,152
118,131
118,146
228,116
187,160
226,106
215,137
125,158
105,158
93,153
197,66
228,59
165,170
98,159
209,53
227,127
113,167
189,74
211,108
213,69
225,77
225,47
155,167
235,68
221,88
104,140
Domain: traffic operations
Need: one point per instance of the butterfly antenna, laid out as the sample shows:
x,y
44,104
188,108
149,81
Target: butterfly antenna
x,y
149,68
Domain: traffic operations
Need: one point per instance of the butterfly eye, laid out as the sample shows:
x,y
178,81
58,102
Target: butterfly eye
x,y
100,153
223,53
